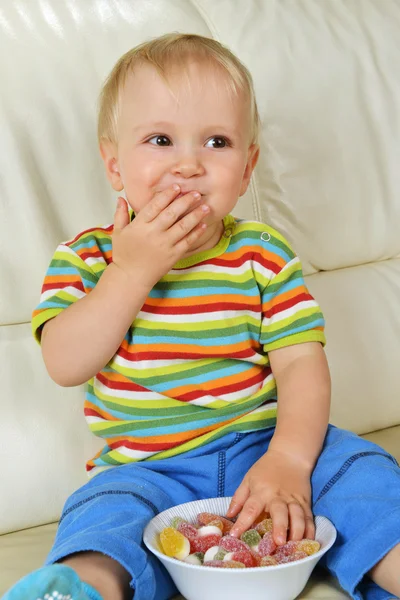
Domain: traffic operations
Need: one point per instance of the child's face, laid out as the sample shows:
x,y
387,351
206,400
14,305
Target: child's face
x,y
199,139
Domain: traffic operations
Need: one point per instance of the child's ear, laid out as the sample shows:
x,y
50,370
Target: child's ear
x,y
252,158
109,154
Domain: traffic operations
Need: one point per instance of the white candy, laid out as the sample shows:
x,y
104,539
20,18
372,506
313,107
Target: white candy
x,y
210,554
192,559
228,556
209,530
255,548
184,552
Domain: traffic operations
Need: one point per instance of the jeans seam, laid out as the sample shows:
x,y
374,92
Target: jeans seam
x,y
346,465
120,492
221,474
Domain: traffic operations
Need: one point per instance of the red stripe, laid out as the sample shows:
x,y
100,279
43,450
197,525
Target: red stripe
x,y
154,355
239,261
206,308
277,308
80,235
226,389
60,285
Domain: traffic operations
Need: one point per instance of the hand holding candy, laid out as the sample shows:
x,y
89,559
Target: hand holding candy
x,y
278,484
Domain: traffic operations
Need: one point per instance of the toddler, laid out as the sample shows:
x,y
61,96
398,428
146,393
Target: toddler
x,y
201,347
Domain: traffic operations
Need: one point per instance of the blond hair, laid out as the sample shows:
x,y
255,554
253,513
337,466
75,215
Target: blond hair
x,y
164,52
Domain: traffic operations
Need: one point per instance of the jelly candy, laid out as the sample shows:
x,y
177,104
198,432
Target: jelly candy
x,y
208,530
251,537
232,544
264,526
229,564
206,518
282,559
267,545
268,561
244,557
220,554
188,530
308,546
174,543
211,554
202,544
194,559
288,548
175,522
217,523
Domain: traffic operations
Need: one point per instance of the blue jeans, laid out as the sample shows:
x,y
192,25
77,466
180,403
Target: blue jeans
x,y
355,484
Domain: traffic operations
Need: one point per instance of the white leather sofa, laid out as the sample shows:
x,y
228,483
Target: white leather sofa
x,y
327,78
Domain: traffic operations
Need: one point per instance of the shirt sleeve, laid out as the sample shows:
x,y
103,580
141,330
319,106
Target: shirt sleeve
x,y
290,314
67,279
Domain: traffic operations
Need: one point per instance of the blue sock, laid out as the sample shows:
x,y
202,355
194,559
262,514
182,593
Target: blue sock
x,y
54,582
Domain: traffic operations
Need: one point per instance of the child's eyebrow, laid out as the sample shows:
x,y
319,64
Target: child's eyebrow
x,y
153,125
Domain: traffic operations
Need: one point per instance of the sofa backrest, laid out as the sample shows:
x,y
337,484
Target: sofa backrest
x,y
328,87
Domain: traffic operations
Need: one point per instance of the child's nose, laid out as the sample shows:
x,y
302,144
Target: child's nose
x,y
187,165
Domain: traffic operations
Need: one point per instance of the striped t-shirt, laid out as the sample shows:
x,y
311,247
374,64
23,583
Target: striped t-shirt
x,y
194,364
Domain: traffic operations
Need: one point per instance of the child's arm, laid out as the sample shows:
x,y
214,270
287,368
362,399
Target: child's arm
x,y
279,482
80,341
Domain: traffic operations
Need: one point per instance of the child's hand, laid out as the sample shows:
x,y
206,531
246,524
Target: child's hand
x,y
159,236
280,485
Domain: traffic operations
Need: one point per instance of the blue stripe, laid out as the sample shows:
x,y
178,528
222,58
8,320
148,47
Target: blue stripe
x,y
286,334
209,288
176,339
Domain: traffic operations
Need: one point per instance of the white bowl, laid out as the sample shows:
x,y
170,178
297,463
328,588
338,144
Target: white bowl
x,y
282,582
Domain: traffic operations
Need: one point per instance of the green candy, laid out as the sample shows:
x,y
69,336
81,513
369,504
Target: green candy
x,y
251,537
220,554
200,556
175,522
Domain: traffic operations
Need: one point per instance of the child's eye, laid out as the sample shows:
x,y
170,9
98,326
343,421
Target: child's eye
x,y
159,140
217,142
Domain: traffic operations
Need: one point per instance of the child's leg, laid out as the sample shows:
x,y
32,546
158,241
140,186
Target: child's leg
x,y
356,484
100,532
103,573
386,573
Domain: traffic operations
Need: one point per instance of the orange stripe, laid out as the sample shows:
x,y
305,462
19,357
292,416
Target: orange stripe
x,y
177,437
61,279
209,386
287,296
180,347
200,300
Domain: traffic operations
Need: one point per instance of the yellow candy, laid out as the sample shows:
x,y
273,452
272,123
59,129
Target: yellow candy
x,y
309,546
233,564
174,543
268,561
264,526
217,523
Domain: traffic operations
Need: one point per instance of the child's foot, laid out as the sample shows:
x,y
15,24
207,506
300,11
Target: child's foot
x,y
55,582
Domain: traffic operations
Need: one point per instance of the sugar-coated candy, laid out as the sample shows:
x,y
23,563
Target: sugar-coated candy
x,y
174,543
244,557
194,559
187,529
202,544
282,559
268,561
264,526
217,523
211,554
208,530
175,522
288,548
308,546
251,537
229,564
267,545
206,518
220,554
232,544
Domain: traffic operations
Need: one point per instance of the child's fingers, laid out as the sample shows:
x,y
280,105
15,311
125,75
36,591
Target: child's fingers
x,y
280,520
310,525
239,498
297,521
121,216
249,513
